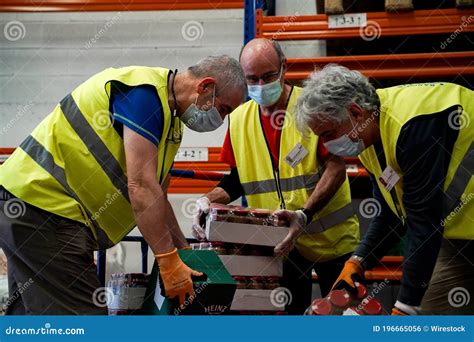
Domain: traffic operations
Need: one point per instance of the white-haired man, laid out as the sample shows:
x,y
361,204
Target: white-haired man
x,y
417,145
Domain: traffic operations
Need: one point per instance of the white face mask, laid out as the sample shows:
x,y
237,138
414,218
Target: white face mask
x,y
344,146
200,120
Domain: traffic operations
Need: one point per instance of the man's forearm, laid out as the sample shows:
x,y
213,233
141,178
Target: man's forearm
x,y
177,234
385,231
218,195
333,177
149,203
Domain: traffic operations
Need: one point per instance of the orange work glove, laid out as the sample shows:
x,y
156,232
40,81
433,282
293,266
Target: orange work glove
x,y
398,312
176,276
351,274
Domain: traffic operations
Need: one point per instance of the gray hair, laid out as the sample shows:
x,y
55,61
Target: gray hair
x,y
329,91
224,69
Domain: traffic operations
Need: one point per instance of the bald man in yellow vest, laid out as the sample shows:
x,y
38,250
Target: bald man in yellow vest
x,y
274,166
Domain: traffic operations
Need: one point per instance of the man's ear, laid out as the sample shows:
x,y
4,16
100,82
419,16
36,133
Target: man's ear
x,y
284,68
205,85
357,112
284,64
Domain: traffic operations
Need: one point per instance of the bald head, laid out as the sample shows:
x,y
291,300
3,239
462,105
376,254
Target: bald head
x,y
261,52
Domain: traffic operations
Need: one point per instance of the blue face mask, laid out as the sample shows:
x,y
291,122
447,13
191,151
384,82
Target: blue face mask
x,y
344,146
266,94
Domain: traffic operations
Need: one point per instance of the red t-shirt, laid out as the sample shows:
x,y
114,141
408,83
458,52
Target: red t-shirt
x,y
272,130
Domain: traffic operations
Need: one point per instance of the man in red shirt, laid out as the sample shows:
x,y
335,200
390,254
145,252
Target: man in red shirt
x,y
275,167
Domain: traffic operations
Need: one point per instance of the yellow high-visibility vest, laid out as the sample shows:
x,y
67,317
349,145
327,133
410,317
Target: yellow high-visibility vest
x,y
399,105
73,163
335,228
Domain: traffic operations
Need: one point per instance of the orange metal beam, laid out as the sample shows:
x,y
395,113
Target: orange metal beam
x,y
113,5
390,268
381,24
416,65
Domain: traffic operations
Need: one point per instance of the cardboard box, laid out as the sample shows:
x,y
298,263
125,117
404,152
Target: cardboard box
x,y
213,294
254,300
250,265
245,233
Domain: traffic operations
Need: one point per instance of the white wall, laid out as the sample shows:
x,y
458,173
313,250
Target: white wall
x,y
61,50
300,48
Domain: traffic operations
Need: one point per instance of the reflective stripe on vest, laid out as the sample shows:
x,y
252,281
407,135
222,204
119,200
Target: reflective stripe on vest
x,y
462,176
45,159
330,220
287,184
97,148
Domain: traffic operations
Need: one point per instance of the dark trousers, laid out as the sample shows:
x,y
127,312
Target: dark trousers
x,y
50,262
451,288
298,280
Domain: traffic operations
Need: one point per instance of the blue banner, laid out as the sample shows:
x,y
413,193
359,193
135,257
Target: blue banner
x,y
237,328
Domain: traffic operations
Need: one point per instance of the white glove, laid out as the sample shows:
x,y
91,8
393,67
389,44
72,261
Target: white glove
x,y
297,221
407,309
202,208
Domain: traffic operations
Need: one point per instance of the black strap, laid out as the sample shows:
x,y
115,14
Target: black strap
x,y
5,195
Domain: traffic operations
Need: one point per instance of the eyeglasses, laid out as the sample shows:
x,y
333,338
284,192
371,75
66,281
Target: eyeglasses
x,y
269,77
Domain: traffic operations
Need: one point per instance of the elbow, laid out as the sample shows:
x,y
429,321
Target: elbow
x,y
135,187
139,192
